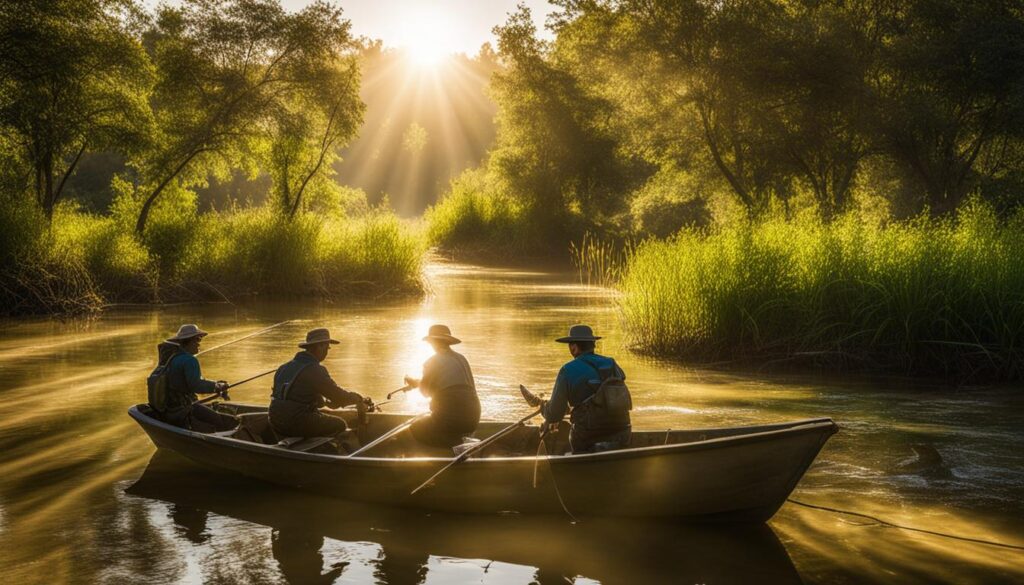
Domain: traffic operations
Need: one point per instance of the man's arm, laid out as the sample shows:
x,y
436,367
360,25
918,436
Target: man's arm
x,y
554,410
336,396
427,381
194,379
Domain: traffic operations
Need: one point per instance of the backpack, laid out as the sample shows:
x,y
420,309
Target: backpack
x,y
610,405
156,385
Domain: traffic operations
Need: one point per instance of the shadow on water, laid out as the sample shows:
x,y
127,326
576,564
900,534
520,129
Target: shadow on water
x,y
414,547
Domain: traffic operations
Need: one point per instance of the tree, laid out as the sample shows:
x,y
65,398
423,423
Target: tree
x,y
225,69
949,92
554,145
309,129
73,78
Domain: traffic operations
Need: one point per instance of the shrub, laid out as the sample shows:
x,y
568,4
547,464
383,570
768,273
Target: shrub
x,y
260,251
669,201
474,215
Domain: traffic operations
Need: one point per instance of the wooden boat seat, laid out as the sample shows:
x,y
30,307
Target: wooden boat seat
x,y
303,444
255,428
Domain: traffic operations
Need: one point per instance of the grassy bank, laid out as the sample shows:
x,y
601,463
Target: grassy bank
x,y
929,297
82,261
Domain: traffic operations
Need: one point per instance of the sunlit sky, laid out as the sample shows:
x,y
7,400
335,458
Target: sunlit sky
x,y
433,27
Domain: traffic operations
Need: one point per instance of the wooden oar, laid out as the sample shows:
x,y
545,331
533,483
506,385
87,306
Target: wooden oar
x,y
218,394
477,447
388,434
260,332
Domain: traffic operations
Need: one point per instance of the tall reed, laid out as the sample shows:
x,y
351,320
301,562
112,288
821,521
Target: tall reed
x,y
599,261
932,297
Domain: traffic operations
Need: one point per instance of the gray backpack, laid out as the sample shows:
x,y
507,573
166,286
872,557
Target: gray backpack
x,y
610,405
156,385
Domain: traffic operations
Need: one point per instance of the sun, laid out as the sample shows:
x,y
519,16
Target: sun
x,y
428,36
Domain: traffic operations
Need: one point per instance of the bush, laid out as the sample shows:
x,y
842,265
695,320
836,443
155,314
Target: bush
x,y
476,216
669,201
117,262
936,297
75,264
259,251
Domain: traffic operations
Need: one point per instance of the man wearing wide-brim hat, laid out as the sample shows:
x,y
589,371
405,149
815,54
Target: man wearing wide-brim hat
x,y
448,381
303,386
185,380
583,384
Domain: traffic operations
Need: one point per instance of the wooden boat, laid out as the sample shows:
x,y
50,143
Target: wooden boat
x,y
723,474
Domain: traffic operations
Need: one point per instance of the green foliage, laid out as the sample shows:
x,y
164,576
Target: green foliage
x,y
73,78
73,264
775,98
554,149
119,266
476,216
932,296
233,75
259,251
668,202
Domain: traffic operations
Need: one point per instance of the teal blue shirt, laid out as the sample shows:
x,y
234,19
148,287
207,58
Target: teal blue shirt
x,y
185,380
576,382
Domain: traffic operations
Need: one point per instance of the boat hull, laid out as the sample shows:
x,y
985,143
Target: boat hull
x,y
743,477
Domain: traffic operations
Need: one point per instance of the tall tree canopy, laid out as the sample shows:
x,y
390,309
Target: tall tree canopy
x,y
228,71
73,77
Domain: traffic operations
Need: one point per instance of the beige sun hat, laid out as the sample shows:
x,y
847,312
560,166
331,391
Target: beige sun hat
x,y
320,335
187,331
441,333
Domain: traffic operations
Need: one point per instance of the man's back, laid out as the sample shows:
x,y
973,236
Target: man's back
x,y
448,380
580,377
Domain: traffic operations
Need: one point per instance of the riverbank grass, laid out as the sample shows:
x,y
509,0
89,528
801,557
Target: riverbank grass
x,y
80,262
931,297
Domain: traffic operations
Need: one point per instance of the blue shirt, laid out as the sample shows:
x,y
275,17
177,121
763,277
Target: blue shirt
x,y
576,382
185,380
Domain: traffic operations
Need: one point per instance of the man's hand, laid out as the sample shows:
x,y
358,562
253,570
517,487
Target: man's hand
x,y
410,381
370,406
221,387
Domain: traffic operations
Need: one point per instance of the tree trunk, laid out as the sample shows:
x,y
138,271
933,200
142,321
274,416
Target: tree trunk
x,y
47,171
140,225
722,167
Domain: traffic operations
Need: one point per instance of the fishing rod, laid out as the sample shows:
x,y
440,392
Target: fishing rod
x,y
260,332
223,393
405,388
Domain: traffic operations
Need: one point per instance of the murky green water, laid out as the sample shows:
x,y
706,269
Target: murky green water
x,y
84,497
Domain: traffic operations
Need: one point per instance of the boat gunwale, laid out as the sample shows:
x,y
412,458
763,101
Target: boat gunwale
x,y
792,428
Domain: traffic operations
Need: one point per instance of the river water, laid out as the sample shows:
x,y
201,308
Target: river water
x,y
85,497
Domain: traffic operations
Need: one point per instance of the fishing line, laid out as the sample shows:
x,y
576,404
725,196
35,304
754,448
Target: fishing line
x,y
261,331
910,528
554,481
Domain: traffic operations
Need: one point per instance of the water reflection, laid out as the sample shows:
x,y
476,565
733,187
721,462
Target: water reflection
x,y
415,547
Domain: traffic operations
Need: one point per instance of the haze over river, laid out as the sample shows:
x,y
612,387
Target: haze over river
x,y
84,497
